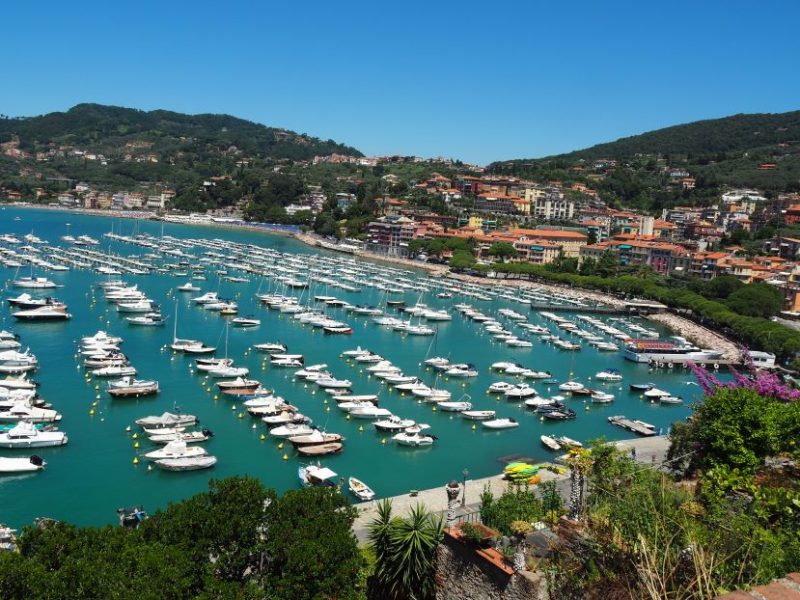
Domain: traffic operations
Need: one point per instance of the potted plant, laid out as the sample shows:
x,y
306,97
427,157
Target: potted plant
x,y
478,534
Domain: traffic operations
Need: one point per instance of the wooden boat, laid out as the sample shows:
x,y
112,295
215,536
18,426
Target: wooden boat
x,y
360,489
238,386
321,449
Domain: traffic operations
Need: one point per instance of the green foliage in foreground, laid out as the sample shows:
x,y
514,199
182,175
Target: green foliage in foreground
x,y
757,332
647,536
405,553
238,540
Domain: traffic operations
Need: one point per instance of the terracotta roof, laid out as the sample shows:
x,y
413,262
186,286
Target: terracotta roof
x,y
554,234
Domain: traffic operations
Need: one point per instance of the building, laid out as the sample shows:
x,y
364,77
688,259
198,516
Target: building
x,y
785,247
570,242
631,250
553,205
390,235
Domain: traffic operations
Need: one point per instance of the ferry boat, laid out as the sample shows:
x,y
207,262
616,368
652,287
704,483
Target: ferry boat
x,y
676,350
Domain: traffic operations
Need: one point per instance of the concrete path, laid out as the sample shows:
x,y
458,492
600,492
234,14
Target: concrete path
x,y
650,450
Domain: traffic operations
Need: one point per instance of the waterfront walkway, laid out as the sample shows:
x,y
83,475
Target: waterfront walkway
x,y
649,451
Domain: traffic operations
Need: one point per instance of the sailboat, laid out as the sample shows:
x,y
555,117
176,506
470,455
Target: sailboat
x,y
178,344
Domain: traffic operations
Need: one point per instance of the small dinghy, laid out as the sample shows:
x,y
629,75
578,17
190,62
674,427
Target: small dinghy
x,y
550,442
360,489
187,463
321,449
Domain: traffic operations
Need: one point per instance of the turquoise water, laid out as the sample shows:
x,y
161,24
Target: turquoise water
x,y
94,474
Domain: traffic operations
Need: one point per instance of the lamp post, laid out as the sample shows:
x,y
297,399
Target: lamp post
x,y
465,473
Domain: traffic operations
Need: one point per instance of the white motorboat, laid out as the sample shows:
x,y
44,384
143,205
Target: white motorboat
x,y
655,393
330,382
28,464
284,417
500,424
176,449
21,411
353,353
531,374
114,371
286,362
188,287
245,322
228,371
502,366
413,436
370,357
33,283
291,430
139,306
462,370
188,437
478,415
167,419
611,375
567,442
457,406
393,423
360,489
370,412
670,400
550,442
600,397
209,364
128,387
25,435
437,361
571,386
500,387
519,392
44,313
271,347
18,382
206,298
187,463
150,319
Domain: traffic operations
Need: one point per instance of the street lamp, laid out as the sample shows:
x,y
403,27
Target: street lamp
x,y
465,473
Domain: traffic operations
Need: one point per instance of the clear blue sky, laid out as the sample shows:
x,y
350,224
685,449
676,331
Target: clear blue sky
x,y
479,81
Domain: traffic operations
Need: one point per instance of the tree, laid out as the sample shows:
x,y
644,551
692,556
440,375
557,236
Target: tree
x,y
607,264
462,259
756,300
310,547
405,551
502,250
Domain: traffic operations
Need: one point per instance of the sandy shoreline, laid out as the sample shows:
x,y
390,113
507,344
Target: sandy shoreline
x,y
687,328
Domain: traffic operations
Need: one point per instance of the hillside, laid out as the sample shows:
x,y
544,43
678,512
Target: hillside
x,y
738,133
636,170
107,129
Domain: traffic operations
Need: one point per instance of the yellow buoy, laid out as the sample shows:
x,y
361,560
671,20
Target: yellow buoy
x,y
280,446
347,417
285,457
136,460
383,440
149,467
91,412
135,436
474,427
361,428
136,444
241,415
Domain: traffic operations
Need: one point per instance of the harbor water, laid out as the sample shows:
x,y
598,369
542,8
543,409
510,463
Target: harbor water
x,y
86,480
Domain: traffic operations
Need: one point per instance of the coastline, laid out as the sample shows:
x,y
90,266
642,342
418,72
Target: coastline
x,y
679,325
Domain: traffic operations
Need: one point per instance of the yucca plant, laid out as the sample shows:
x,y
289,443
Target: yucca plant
x,y
405,552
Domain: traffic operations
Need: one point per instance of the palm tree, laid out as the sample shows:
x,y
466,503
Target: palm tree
x,y
405,552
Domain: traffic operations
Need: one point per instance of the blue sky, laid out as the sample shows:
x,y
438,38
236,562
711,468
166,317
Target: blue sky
x,y
478,81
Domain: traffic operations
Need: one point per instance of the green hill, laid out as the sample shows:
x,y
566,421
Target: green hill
x,y
716,152
737,133
110,129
